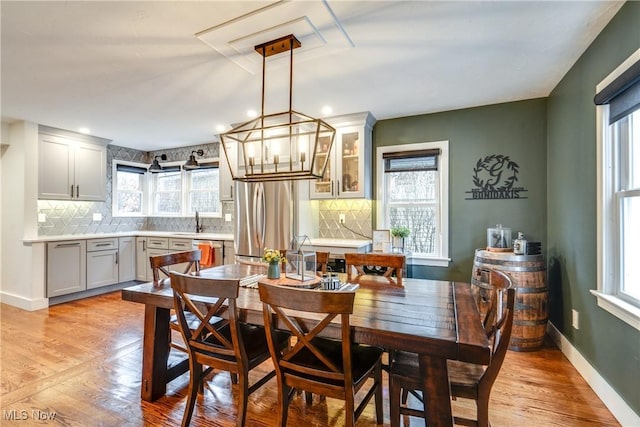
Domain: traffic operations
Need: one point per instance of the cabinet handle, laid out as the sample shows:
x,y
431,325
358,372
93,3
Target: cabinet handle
x,y
144,246
182,245
117,256
77,191
67,245
231,190
72,191
338,187
103,244
331,188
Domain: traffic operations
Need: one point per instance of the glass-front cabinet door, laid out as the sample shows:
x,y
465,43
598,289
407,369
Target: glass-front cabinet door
x,y
323,187
348,165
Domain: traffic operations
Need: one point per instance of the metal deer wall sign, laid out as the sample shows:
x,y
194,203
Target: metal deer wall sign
x,y
494,177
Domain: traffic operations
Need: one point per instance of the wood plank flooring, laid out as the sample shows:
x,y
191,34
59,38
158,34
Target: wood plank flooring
x,y
79,363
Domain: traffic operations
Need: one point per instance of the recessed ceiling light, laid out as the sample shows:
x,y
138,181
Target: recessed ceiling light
x,y
252,113
326,110
84,130
221,128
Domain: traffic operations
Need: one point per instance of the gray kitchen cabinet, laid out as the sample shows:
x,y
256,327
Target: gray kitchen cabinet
x,y
226,180
102,262
71,166
229,252
66,267
126,259
142,259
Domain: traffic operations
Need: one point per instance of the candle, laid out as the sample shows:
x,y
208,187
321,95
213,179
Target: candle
x,y
303,156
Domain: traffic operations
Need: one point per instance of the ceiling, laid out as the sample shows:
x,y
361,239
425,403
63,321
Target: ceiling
x,y
165,74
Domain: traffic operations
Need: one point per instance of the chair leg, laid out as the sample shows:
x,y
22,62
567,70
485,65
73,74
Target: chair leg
x,y
283,399
394,401
308,397
195,377
482,410
349,409
243,384
378,396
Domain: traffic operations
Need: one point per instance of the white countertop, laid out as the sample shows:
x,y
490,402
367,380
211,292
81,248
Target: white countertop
x,y
339,243
140,233
321,242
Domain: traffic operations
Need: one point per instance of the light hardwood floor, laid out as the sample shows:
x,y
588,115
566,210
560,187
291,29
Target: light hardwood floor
x,y
80,363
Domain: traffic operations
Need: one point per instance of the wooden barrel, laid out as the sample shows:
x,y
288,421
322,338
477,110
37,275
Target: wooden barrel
x,y
528,273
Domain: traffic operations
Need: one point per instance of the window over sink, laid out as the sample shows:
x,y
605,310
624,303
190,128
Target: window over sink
x,y
172,192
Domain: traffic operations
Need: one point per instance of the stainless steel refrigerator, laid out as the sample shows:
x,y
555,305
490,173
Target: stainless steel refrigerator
x,y
265,217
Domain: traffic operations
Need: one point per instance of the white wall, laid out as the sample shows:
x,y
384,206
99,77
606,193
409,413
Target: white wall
x,y
22,273
4,144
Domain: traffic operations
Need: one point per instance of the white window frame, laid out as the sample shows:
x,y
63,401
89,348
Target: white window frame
x,y
607,213
153,193
188,191
442,259
114,190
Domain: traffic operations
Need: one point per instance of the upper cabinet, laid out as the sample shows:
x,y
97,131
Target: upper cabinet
x,y
348,173
226,181
71,166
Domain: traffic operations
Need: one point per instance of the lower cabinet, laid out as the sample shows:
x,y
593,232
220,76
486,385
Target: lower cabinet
x,y
126,259
102,262
66,267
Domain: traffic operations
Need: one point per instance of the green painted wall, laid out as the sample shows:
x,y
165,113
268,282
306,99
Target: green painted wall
x,y
610,345
515,129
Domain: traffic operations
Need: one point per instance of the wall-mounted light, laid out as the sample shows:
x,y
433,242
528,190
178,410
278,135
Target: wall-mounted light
x,y
192,163
156,166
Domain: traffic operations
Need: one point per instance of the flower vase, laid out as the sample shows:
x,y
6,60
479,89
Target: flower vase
x,y
273,272
398,244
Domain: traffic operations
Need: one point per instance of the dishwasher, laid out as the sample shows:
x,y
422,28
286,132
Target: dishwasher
x,y
212,252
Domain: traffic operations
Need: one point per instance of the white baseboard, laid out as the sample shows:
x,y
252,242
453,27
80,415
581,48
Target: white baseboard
x,y
612,400
24,303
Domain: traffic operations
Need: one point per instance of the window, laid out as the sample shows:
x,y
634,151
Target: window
x,y
413,191
129,187
204,190
167,191
618,119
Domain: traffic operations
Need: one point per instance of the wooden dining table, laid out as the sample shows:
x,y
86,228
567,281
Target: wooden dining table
x,y
438,320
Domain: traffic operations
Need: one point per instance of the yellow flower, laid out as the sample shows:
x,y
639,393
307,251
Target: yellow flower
x,y
272,256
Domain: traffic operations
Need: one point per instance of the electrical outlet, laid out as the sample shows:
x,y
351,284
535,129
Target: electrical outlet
x,y
342,219
575,319
97,216
227,217
42,217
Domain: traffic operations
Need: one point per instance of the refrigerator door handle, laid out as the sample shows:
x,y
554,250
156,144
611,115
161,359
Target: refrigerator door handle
x,y
258,214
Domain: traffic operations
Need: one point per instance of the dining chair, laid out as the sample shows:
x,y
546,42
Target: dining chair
x,y
335,368
362,263
466,380
322,261
160,267
229,345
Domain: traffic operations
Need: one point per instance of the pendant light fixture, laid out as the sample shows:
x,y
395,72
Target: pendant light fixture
x,y
192,163
156,166
282,146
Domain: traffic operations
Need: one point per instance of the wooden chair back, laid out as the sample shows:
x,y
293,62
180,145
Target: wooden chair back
x,y
328,367
322,260
228,344
393,263
466,380
159,264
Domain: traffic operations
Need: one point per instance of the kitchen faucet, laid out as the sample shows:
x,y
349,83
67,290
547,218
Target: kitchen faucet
x,y
199,227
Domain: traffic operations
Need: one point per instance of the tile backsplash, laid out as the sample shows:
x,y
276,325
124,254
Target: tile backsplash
x,y
358,219
67,217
